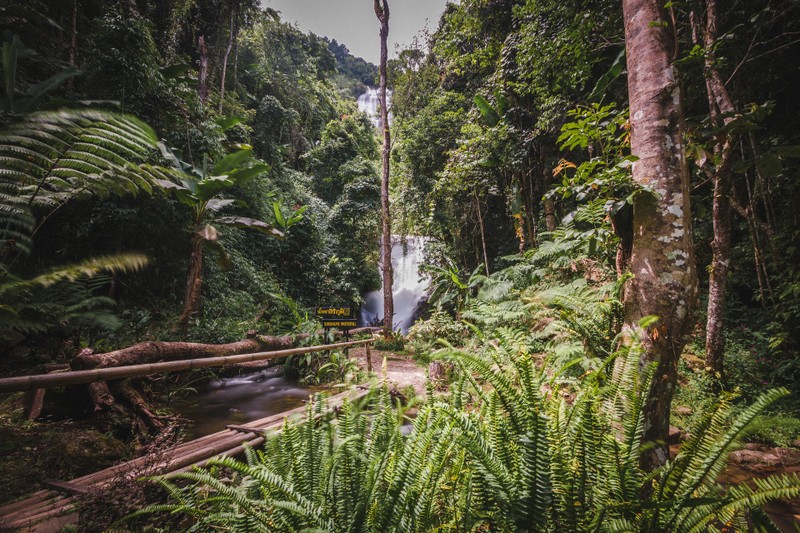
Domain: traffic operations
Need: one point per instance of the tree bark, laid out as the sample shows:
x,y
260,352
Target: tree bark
x,y
139,406
154,351
202,75
194,282
382,12
662,255
225,63
101,396
721,110
483,235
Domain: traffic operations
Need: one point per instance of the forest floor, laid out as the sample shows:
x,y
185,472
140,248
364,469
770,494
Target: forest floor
x,y
401,369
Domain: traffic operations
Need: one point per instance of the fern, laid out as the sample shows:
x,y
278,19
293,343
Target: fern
x,y
65,297
506,452
49,158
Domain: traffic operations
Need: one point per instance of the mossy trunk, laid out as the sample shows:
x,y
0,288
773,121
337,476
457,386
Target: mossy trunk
x,y
662,253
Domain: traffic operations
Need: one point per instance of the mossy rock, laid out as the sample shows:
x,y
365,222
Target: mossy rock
x,y
86,451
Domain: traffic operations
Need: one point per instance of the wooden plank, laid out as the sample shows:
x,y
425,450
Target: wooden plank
x,y
64,507
49,505
64,486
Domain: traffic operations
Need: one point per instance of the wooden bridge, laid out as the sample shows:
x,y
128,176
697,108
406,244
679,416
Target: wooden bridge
x,y
49,510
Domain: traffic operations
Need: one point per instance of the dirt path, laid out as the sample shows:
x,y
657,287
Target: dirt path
x,y
401,370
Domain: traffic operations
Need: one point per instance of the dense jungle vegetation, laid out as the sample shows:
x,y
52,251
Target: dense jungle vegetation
x,y
198,170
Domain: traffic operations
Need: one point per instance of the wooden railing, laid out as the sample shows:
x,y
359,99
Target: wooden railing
x,y
77,377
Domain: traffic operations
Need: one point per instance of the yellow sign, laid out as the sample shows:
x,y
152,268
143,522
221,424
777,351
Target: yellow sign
x,y
334,312
339,323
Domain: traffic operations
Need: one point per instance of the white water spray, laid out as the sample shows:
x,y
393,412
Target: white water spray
x,y
408,288
370,103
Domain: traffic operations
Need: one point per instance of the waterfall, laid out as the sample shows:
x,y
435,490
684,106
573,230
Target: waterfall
x,y
408,289
369,103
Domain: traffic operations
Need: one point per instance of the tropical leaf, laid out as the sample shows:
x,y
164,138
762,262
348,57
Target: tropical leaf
x,y
251,223
489,113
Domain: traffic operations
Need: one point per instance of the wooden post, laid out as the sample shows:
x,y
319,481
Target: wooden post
x,y
33,401
369,357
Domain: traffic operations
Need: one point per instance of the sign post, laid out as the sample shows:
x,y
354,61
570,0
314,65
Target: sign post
x,y
337,317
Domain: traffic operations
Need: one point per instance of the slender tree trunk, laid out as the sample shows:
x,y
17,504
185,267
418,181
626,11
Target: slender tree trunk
x,y
225,64
721,110
72,57
622,223
530,212
382,12
662,256
550,220
193,283
202,75
483,233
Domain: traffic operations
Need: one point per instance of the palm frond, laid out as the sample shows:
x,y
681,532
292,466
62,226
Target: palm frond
x,y
49,158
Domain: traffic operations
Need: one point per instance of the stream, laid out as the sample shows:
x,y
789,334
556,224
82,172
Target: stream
x,y
239,399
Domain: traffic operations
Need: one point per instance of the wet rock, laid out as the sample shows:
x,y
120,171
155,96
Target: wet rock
x,y
755,461
683,410
789,456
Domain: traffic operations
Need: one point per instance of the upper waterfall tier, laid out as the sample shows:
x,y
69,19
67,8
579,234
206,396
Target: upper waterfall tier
x,y
370,103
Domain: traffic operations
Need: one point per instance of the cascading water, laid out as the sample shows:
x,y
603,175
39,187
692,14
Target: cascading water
x,y
370,103
408,289
239,399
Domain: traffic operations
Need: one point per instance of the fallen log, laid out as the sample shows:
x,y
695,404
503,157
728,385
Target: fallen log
x,y
77,377
155,351
139,405
101,397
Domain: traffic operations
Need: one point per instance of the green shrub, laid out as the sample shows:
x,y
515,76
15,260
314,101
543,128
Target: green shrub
x,y
427,335
775,430
394,343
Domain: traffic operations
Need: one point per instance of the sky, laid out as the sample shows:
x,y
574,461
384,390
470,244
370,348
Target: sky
x,y
354,24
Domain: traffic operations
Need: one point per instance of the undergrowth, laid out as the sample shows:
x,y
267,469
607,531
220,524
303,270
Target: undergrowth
x,y
513,448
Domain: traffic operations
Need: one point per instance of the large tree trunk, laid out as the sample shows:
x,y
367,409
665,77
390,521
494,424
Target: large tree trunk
x,y
721,110
382,12
194,282
662,255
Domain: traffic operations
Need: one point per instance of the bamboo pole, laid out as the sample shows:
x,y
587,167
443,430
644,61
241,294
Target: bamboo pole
x,y
43,381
